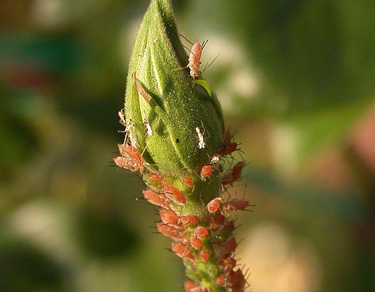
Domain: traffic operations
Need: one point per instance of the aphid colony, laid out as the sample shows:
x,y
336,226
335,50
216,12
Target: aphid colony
x,y
206,238
199,225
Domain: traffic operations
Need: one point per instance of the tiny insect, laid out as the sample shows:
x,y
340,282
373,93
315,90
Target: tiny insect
x,y
229,246
196,243
182,251
194,58
201,143
189,220
188,285
188,181
235,205
228,147
220,280
229,226
155,177
228,264
174,194
168,217
201,232
206,171
218,221
234,175
156,198
169,231
204,256
236,281
133,159
125,162
213,205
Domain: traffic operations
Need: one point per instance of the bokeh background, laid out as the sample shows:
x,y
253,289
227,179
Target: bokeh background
x,y
296,80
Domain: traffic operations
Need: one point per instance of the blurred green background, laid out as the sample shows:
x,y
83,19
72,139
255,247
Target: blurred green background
x,y
296,80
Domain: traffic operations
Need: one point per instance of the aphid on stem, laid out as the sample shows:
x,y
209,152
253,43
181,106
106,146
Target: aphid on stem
x,y
189,220
206,171
194,58
174,194
169,231
188,181
235,205
155,198
182,251
213,205
196,243
201,232
204,256
168,217
189,285
234,175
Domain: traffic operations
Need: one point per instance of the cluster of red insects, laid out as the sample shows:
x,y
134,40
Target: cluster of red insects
x,y
198,239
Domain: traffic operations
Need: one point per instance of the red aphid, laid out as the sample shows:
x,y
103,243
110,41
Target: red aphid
x,y
234,175
235,205
228,264
213,205
188,285
174,194
236,281
189,220
129,151
228,146
229,226
155,177
196,243
182,251
218,220
204,256
156,198
201,232
169,231
220,280
125,162
206,171
188,181
168,217
228,246
194,59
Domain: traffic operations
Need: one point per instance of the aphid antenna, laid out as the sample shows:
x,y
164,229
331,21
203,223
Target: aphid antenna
x,y
186,39
204,44
209,65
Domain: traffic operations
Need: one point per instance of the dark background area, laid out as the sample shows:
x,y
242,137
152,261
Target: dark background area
x,y
296,80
